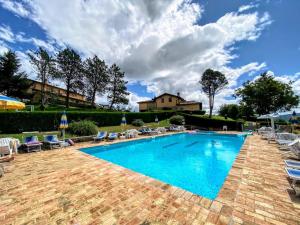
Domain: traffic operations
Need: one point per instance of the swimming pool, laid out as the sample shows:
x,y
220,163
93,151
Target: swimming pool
x,y
198,163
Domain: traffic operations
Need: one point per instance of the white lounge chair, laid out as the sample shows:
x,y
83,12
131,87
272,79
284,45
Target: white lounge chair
x,y
161,130
285,138
294,175
132,133
5,146
264,130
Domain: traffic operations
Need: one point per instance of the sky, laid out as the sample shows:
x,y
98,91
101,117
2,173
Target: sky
x,y
163,45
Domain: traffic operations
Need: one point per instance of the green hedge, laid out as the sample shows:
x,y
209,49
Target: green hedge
x,y
16,122
211,122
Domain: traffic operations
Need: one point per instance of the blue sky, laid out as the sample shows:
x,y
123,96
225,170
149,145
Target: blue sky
x,y
166,45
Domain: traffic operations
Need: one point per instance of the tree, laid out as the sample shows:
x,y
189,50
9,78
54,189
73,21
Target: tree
x,y
212,82
116,87
230,110
12,82
44,65
96,75
69,70
266,95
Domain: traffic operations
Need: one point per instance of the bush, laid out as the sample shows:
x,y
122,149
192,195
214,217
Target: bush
x,y
83,128
17,122
215,123
177,120
137,122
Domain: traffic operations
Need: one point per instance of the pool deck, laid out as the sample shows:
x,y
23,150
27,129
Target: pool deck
x,y
70,187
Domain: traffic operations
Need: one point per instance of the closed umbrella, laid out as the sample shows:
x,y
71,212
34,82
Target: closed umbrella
x,y
63,124
123,121
10,103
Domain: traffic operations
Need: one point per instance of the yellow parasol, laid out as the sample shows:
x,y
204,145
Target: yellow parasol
x,y
10,103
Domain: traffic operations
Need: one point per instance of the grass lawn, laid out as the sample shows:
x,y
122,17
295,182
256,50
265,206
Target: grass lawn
x,y
119,128
162,123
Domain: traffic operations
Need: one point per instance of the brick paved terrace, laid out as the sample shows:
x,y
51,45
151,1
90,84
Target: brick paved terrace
x,y
69,187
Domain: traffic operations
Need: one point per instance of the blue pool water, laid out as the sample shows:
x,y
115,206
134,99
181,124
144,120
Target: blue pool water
x,y
198,163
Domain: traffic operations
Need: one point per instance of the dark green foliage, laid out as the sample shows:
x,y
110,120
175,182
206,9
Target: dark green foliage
x,y
211,122
44,65
230,110
83,128
13,83
117,90
69,70
16,122
266,95
137,122
212,82
177,120
96,74
196,112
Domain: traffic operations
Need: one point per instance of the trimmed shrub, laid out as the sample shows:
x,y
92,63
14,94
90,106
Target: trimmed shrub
x,y
83,128
215,123
16,122
176,119
137,122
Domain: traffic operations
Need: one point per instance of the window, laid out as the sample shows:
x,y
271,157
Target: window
x,y
162,100
170,99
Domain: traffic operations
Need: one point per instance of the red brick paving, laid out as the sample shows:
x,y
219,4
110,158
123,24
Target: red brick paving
x,y
69,187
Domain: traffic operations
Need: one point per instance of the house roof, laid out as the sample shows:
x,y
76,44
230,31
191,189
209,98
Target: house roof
x,y
145,101
50,85
176,96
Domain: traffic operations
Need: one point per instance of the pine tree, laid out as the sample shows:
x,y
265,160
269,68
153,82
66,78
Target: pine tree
x,y
44,65
96,75
13,83
69,70
117,87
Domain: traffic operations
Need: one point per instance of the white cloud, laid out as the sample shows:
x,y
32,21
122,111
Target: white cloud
x,y
6,34
244,8
158,43
16,7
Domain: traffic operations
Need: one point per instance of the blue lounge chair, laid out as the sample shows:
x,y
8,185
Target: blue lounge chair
x,y
52,141
292,164
32,143
294,175
100,136
112,136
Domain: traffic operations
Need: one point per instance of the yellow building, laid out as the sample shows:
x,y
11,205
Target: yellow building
x,y
54,94
169,102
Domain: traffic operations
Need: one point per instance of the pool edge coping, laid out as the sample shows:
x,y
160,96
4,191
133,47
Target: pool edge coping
x,y
178,192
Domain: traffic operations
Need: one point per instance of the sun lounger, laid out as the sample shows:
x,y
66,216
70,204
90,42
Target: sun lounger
x,y
147,131
176,128
285,138
292,164
294,175
5,146
161,130
52,141
32,143
132,133
100,136
112,136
